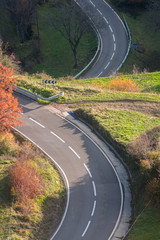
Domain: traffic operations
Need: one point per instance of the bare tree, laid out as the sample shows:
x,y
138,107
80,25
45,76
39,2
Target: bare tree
x,y
72,23
22,12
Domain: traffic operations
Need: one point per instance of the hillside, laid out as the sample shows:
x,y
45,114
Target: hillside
x,y
25,218
125,111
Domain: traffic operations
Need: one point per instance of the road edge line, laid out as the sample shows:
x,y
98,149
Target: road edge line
x,y
116,173
62,174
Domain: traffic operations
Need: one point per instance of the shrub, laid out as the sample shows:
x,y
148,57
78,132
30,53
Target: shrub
x,y
126,85
26,184
154,190
142,147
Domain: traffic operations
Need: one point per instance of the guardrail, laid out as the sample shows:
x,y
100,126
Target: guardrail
x,y
98,48
34,96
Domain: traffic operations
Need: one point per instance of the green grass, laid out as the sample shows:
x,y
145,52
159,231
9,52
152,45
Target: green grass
x,y
142,33
47,209
55,57
147,226
91,90
122,125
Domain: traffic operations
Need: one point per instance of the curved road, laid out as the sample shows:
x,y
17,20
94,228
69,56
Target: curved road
x,y
113,36
95,196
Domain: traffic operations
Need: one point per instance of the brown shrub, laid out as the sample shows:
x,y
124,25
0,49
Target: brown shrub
x,y
154,190
126,85
26,183
141,147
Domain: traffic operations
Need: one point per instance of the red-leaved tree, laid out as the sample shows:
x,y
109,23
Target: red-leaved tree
x,y
9,109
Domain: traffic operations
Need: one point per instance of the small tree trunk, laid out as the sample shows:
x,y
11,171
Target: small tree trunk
x,y
75,58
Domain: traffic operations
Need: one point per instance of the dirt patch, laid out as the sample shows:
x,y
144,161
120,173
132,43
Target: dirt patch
x,y
139,106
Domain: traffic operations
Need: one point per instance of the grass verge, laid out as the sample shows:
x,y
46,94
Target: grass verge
x,y
147,226
94,89
42,219
144,34
53,53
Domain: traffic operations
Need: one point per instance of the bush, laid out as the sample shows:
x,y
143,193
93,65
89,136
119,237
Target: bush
x,y
154,190
126,85
26,184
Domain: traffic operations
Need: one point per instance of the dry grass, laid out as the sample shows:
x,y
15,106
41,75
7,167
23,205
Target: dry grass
x,y
125,85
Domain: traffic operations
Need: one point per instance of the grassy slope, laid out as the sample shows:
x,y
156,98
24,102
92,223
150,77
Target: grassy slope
x,y
121,125
121,118
95,89
35,225
56,57
143,33
147,226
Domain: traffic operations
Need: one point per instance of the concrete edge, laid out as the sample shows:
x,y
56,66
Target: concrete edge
x,y
98,47
121,169
123,174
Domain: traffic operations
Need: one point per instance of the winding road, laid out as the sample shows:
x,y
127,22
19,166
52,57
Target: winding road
x,y
94,191
114,42
95,196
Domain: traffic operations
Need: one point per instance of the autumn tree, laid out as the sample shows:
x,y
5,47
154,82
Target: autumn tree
x,y
9,109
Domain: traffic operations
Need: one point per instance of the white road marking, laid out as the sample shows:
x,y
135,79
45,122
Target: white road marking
x,y
113,38
93,210
36,122
57,136
107,65
112,56
99,11
111,28
94,188
74,152
99,74
86,228
92,3
105,20
88,170
114,47
66,179
109,160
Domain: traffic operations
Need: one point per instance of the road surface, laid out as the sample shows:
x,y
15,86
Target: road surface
x,y
113,37
95,196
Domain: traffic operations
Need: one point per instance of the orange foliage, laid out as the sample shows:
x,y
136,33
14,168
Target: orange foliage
x,y
126,85
9,110
26,183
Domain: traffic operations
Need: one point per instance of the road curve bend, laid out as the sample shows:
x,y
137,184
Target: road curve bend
x,y
95,196
114,42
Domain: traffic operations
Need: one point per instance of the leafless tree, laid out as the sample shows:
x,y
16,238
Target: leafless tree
x,y
22,11
72,23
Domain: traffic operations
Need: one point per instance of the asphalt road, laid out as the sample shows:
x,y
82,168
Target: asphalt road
x,y
113,36
94,193
95,198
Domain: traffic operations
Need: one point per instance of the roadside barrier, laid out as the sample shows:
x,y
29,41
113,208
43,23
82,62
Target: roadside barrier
x,y
98,47
129,42
34,96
